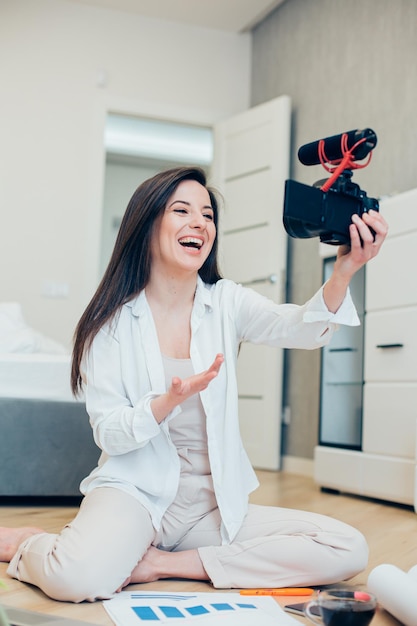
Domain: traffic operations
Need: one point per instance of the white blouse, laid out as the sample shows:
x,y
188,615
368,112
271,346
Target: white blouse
x,y
124,372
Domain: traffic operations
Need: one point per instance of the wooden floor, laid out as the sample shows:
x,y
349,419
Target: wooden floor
x,y
391,532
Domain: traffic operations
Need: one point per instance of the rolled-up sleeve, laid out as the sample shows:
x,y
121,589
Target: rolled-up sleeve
x,y
317,311
120,423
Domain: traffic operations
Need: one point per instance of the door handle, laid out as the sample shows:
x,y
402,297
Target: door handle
x,y
272,279
342,350
386,346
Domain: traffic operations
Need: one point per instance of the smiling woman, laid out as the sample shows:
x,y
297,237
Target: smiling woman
x,y
156,353
183,237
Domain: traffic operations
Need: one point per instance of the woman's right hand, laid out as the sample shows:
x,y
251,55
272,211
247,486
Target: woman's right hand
x,y
181,389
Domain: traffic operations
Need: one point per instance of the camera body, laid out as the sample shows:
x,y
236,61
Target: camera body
x,y
310,211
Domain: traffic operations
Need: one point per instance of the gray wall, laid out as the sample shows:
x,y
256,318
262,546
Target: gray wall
x,y
345,64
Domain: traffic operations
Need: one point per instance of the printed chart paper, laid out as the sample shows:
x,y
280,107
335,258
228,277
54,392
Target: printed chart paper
x,y
141,608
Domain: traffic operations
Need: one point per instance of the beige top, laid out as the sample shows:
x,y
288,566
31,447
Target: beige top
x,y
188,428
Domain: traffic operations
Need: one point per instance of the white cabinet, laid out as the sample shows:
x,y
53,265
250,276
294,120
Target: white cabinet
x,y
385,465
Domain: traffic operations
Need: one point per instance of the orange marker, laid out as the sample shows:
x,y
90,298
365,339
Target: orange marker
x,y
283,591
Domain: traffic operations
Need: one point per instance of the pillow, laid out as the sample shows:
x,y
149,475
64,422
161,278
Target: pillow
x,y
11,316
17,336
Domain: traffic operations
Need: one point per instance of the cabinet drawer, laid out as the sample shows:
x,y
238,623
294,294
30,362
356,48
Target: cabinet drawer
x,y
391,345
388,478
387,283
390,419
338,469
376,476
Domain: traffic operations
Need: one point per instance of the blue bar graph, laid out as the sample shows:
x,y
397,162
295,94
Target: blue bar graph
x,y
146,613
222,606
197,610
164,612
171,611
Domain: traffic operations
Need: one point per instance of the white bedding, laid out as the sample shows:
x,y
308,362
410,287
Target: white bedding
x,y
37,375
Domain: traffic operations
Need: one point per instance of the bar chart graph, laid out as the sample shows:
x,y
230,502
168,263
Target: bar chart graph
x,y
207,609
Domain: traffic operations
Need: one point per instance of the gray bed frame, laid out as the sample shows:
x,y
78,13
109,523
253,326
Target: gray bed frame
x,y
46,447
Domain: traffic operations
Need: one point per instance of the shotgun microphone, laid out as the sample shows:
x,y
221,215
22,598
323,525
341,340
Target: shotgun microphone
x,y
309,154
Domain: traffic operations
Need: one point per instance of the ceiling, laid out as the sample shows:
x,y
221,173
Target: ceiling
x,y
229,15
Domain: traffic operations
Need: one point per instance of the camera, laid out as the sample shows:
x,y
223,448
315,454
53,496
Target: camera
x,y
325,209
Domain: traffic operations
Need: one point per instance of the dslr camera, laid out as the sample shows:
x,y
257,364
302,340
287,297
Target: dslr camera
x,y
325,209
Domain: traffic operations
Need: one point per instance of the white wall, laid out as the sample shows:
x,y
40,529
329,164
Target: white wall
x,y
63,66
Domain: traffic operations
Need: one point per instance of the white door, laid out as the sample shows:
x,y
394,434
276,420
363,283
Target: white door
x,y
251,164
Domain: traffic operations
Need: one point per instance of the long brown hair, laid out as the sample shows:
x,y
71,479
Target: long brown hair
x,y
128,270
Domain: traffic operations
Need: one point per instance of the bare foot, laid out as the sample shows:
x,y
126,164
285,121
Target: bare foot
x,y
147,570
11,538
157,564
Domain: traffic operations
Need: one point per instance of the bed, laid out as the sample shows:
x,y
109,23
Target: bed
x,y
37,376
46,442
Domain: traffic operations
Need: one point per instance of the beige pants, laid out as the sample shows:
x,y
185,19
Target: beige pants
x,y
97,551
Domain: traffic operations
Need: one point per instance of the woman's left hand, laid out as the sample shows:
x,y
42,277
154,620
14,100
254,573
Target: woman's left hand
x,y
367,235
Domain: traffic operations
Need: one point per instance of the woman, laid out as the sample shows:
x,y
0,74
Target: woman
x,y
156,353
